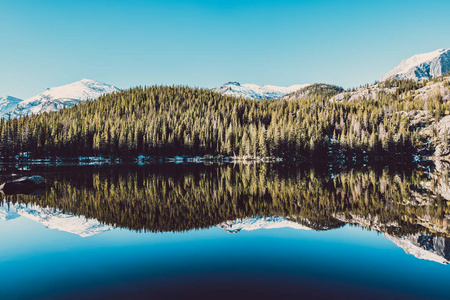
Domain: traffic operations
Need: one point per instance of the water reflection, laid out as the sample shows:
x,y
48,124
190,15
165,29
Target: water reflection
x,y
424,246
53,218
409,206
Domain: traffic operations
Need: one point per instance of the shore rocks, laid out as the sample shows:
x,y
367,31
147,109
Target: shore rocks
x,y
26,185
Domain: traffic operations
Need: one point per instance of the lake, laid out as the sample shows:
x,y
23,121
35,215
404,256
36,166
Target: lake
x,y
221,231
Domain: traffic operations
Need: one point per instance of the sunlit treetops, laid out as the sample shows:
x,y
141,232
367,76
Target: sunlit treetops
x,y
178,120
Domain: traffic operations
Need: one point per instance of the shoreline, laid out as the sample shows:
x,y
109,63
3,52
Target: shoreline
x,y
209,160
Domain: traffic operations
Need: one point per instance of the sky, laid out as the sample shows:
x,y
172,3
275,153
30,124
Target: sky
x,y
207,43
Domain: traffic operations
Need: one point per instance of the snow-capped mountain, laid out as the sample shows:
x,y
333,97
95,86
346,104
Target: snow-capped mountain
x,y
254,91
63,96
422,66
424,247
255,223
8,212
53,218
7,104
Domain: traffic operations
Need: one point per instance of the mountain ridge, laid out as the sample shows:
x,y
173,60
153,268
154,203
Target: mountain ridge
x,y
59,97
421,66
260,222
7,104
53,218
418,67
254,91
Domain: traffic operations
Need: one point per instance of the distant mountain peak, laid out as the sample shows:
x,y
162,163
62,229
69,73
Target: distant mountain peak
x,y
254,91
53,218
424,246
9,97
422,66
233,83
56,98
261,222
7,104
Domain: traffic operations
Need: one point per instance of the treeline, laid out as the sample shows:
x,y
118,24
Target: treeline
x,y
317,90
178,198
168,121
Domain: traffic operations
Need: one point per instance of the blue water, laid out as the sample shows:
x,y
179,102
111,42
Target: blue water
x,y
347,263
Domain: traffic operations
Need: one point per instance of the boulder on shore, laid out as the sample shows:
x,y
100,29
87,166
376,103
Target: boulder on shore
x,y
25,185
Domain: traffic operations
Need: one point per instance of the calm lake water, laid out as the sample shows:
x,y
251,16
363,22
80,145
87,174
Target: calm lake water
x,y
193,231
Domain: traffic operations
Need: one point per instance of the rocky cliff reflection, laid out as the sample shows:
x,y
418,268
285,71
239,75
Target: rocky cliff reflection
x,y
409,206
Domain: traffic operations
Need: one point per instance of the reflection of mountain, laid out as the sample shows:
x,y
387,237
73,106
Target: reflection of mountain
x,y
185,197
255,223
370,222
8,213
424,247
274,222
53,218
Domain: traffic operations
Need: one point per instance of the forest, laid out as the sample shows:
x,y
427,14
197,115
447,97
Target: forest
x,y
177,120
174,197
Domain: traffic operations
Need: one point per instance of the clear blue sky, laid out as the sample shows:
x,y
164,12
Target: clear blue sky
x,y
206,43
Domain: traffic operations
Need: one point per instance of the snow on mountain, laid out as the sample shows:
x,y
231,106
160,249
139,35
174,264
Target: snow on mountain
x,y
53,218
422,66
63,96
7,212
254,91
255,223
424,247
7,104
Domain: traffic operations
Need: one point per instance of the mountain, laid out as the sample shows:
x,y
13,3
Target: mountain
x,y
422,66
254,91
400,89
63,96
7,104
318,90
255,223
53,218
7,212
369,92
424,246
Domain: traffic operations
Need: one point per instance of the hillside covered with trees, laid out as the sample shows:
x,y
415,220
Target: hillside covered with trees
x,y
178,120
171,197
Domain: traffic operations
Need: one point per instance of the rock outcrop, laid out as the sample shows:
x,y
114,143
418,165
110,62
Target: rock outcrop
x,y
24,185
422,66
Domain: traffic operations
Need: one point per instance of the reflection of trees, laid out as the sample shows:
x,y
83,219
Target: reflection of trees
x,y
177,198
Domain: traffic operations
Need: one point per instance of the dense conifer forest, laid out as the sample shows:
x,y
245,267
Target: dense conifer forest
x,y
185,197
178,120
